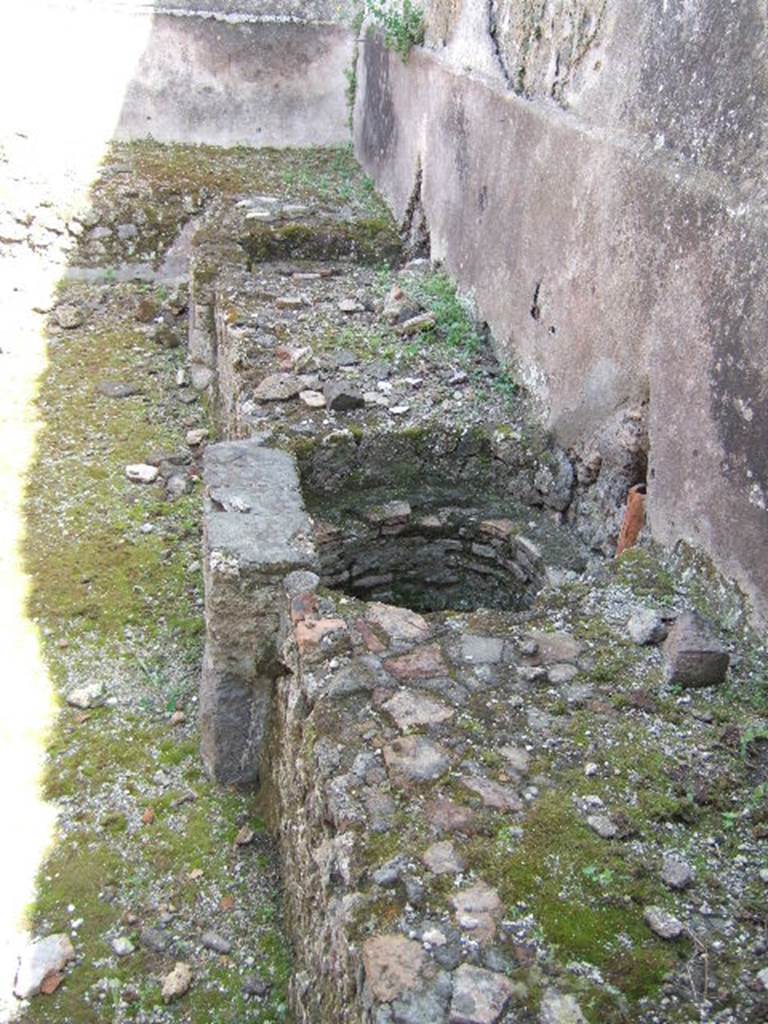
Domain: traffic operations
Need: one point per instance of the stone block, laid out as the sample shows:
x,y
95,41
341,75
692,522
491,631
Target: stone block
x,y
255,533
694,655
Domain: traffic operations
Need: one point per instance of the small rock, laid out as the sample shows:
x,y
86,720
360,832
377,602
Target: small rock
x,y
397,623
117,390
423,663
603,825
560,1009
313,399
351,306
217,943
591,769
280,387
415,759
154,939
762,978
559,675
90,696
413,709
676,873
342,398
345,357
553,648
290,302
662,923
646,627
493,794
245,836
479,996
177,983
446,815
68,317
122,946
477,911
392,966
178,718
416,324
140,473
41,958
176,486
442,859
196,437
482,650
517,759
400,410
694,656
253,985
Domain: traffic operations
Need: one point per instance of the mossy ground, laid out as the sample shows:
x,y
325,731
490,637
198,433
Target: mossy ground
x,y
122,606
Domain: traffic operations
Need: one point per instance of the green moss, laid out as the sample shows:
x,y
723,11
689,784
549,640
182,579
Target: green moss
x,y
584,892
641,570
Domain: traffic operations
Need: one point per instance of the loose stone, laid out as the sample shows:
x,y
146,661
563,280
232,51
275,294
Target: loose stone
x,y
196,437
393,966
40,959
177,983
254,985
415,759
290,302
341,398
479,996
313,399
477,911
122,946
603,825
154,939
68,317
663,924
676,873
646,627
217,943
85,697
493,794
117,390
694,655
442,859
517,759
560,1009
416,324
141,473
280,387
351,306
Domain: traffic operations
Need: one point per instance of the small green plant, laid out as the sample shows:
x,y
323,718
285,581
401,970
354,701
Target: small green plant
x,y
602,877
453,321
350,93
402,26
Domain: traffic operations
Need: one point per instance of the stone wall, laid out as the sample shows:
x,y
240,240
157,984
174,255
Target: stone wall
x,y
242,72
593,173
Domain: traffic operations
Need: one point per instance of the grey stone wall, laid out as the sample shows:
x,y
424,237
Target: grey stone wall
x,y
594,174
232,72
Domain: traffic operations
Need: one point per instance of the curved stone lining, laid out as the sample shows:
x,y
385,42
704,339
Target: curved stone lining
x,y
451,558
